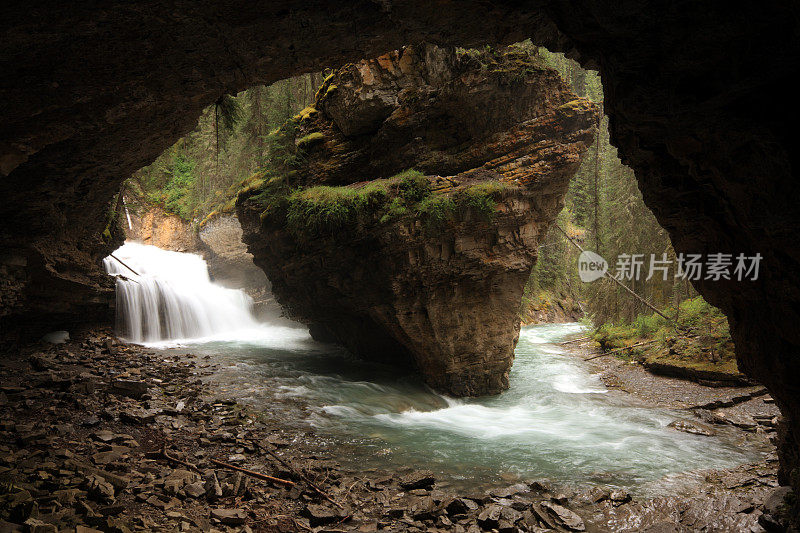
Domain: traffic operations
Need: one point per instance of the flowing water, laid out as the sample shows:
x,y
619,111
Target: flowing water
x,y
556,421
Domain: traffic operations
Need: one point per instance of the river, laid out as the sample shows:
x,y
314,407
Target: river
x,y
557,421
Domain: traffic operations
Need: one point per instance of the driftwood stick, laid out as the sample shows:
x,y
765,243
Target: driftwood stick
x,y
250,473
303,477
620,349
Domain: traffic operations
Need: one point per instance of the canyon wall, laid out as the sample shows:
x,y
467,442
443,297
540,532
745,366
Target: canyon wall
x,y
426,266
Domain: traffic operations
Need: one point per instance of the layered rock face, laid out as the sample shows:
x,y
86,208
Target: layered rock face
x,y
401,267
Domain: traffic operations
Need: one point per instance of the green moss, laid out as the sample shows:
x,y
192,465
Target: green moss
x,y
511,64
312,139
325,88
325,210
413,186
482,197
436,211
573,107
308,113
330,90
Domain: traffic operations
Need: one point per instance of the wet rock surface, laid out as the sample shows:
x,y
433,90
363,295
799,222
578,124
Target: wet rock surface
x,y
70,460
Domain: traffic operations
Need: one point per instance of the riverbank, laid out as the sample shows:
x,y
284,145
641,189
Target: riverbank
x,y
117,437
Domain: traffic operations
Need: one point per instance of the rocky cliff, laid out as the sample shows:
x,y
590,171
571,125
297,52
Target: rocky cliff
x,y
156,227
424,266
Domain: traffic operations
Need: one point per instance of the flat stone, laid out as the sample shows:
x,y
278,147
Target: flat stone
x,y
320,515
137,416
103,435
564,516
103,458
195,490
230,517
490,516
84,529
695,428
128,387
37,526
419,479
507,492
461,506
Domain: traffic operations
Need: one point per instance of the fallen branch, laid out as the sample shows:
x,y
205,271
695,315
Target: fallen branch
x,y
256,475
303,477
618,282
162,454
580,339
122,263
620,349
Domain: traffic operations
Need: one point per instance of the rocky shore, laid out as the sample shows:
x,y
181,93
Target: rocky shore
x,y
100,436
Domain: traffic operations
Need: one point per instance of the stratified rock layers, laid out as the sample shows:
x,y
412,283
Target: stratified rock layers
x,y
434,279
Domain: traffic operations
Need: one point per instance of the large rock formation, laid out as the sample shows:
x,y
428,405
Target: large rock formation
x,y
408,268
697,96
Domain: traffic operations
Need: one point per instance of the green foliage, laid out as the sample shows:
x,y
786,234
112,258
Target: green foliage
x,y
396,209
413,186
231,142
647,325
611,336
177,193
228,112
281,147
273,196
326,210
698,338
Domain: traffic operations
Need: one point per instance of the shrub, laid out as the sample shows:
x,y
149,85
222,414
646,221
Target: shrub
x,y
648,325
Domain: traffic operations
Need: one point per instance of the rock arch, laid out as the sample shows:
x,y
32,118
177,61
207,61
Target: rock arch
x,y
698,95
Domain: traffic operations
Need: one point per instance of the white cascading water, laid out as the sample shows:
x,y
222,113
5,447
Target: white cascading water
x,y
171,297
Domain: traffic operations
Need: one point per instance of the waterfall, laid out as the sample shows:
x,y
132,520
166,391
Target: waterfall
x,y
172,297
127,214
